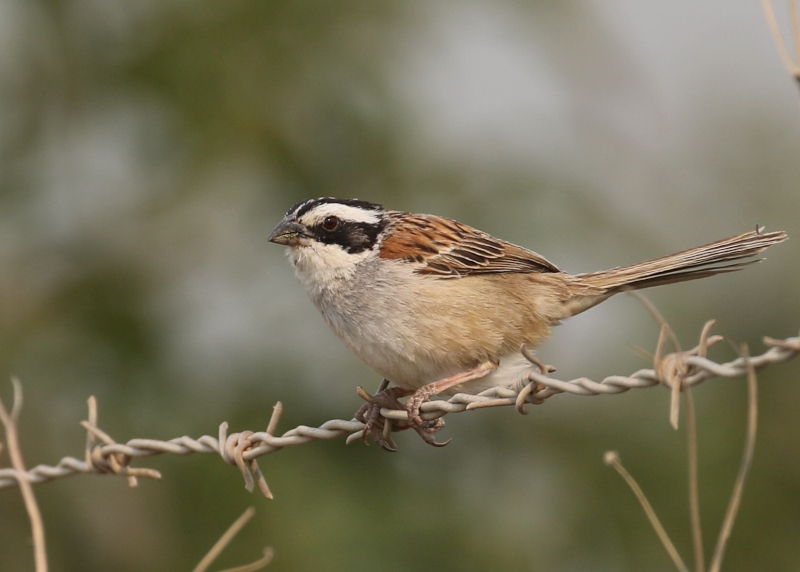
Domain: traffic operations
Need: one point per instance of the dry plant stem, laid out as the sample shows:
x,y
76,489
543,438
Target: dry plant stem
x,y
12,440
691,438
694,494
744,467
269,554
795,18
225,539
612,458
772,21
659,319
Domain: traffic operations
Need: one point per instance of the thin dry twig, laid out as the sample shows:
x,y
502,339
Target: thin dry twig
x,y
706,340
694,491
225,539
9,421
612,459
114,458
795,20
269,554
793,67
744,467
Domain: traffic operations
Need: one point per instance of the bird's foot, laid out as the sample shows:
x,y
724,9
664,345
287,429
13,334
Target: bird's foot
x,y
423,427
381,428
426,429
370,414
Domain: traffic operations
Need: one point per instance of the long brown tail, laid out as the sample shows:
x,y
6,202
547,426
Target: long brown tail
x,y
727,255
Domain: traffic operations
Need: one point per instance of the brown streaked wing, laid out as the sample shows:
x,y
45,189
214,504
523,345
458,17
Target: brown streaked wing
x,y
450,249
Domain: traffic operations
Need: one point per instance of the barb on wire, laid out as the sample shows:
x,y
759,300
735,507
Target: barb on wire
x,y
242,449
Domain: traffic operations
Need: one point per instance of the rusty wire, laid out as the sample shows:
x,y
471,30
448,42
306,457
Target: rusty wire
x,y
241,449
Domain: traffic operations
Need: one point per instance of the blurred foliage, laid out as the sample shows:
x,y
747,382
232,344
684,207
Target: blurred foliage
x,y
147,149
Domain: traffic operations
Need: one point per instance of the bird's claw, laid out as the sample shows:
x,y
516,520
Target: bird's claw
x,y
370,415
380,429
424,428
427,432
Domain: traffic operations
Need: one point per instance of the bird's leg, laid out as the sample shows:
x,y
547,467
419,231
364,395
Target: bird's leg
x,y
370,413
425,392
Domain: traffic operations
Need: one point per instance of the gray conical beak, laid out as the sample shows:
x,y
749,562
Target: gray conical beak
x,y
288,233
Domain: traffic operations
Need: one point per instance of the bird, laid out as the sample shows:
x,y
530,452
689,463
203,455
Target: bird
x,y
437,307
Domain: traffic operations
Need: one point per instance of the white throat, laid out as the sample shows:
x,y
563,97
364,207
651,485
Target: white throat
x,y
323,267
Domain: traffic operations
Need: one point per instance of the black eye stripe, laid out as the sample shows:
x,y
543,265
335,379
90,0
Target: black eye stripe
x,y
352,236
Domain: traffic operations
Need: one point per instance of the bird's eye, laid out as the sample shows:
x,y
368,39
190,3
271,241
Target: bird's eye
x,y
330,223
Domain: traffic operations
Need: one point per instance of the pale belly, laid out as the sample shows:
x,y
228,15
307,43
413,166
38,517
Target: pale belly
x,y
414,341
511,372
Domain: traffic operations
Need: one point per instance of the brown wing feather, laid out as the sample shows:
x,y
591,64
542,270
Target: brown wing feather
x,y
450,249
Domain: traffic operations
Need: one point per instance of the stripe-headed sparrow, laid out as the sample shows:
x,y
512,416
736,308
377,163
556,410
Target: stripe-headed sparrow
x,y
438,307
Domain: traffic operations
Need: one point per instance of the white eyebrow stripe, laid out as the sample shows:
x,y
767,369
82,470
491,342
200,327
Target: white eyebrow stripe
x,y
344,212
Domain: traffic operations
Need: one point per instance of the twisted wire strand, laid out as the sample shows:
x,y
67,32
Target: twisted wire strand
x,y
243,448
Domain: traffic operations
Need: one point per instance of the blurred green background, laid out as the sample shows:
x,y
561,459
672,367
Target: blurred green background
x,y
147,149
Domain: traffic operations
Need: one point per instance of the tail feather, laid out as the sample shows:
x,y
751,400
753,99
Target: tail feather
x,y
727,255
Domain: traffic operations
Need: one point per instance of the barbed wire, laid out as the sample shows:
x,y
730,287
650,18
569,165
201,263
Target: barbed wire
x,y
675,370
